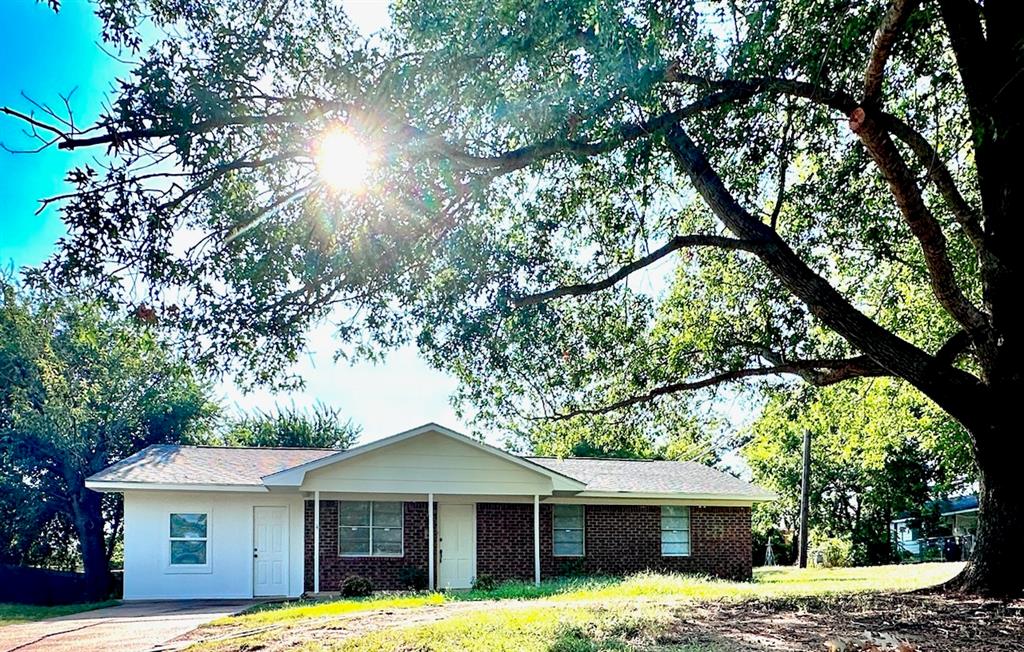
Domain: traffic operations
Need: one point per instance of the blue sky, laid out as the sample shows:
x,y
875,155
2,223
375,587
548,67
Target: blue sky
x,y
46,55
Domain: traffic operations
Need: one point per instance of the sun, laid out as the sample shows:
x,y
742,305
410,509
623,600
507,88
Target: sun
x,y
343,161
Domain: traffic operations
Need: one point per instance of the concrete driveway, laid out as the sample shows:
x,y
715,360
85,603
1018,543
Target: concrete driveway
x,y
132,626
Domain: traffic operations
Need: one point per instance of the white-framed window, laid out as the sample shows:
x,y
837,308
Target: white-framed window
x,y
567,523
189,539
675,531
370,528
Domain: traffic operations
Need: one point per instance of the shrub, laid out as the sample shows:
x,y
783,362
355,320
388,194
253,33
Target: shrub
x,y
834,553
572,568
412,577
485,582
355,586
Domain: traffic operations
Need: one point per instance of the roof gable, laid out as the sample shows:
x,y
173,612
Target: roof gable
x,y
296,477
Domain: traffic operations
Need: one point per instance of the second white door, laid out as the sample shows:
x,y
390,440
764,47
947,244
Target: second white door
x,y
270,551
456,546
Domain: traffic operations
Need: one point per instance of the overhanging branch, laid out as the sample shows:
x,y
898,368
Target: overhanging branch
x,y
678,242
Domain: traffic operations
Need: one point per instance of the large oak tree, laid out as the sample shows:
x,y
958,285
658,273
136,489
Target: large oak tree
x,y
585,207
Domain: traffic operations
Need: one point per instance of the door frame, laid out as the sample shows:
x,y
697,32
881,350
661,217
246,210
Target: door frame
x,y
287,550
437,542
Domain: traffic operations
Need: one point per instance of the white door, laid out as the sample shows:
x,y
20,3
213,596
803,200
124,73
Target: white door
x,y
456,546
270,551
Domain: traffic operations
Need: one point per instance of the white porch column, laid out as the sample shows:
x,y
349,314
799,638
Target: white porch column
x,y
536,539
316,541
430,541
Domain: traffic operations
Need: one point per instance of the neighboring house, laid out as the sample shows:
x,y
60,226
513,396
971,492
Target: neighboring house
x,y
957,521
211,522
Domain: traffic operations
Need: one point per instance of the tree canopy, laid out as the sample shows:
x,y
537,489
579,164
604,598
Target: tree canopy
x,y
321,427
580,207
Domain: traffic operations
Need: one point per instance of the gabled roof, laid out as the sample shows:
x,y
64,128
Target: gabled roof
x,y
258,469
206,465
653,477
294,476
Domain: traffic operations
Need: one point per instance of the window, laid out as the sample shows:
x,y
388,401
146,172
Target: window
x,y
188,535
568,530
369,529
675,531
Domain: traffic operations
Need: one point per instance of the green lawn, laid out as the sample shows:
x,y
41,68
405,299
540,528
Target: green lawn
x,y
574,615
19,613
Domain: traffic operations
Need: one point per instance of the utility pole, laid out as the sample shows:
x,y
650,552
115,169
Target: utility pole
x,y
805,490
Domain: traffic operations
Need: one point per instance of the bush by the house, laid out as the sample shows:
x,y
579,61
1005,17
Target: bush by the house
x,y
413,577
485,582
355,586
572,568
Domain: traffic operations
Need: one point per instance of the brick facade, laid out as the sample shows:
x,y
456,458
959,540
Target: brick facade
x,y
619,539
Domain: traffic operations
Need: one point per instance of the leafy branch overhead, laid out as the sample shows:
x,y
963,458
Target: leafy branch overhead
x,y
576,208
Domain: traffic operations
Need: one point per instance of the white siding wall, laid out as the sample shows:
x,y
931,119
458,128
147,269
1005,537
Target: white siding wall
x,y
146,548
429,463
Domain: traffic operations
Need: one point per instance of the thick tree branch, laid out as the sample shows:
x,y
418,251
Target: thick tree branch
x,y
678,242
954,389
826,368
885,38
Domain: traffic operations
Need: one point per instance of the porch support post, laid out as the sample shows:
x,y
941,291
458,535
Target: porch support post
x,y
430,541
536,539
316,541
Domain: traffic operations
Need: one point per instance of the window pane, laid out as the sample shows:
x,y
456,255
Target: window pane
x,y
387,514
675,510
188,552
387,541
675,536
188,526
354,540
568,516
569,549
675,523
675,548
569,536
353,512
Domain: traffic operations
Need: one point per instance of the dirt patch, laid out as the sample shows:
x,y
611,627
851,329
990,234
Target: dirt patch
x,y
904,623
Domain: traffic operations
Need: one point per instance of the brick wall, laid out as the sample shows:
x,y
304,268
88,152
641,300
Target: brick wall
x,y
382,571
618,539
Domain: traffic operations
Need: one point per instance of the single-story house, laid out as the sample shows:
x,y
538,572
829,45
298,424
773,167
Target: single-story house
x,y
217,522
957,519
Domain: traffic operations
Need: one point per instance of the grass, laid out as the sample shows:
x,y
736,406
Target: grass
x,y
570,615
21,613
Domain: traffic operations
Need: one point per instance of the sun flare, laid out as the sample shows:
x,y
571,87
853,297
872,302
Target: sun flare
x,y
343,161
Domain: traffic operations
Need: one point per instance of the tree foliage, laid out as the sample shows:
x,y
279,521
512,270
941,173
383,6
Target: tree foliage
x,y
321,427
877,449
834,182
79,390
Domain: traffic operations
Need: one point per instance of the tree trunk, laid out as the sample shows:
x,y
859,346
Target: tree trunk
x,y
997,564
88,514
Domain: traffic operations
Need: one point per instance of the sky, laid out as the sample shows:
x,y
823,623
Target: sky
x,y
46,55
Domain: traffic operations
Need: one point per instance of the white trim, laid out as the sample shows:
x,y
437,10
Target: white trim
x,y
536,540
430,542
748,499
171,568
294,476
959,511
104,485
316,541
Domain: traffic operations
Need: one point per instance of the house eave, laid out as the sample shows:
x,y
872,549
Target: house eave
x,y
121,486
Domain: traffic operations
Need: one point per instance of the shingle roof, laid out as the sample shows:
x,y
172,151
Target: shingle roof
x,y
170,464
652,476
213,465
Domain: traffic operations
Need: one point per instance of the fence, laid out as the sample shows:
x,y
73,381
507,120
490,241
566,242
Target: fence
x,y
42,586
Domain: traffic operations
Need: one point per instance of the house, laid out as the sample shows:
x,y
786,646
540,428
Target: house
x,y
213,522
955,519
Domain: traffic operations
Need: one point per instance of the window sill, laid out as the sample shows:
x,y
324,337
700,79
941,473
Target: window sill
x,y
399,556
188,569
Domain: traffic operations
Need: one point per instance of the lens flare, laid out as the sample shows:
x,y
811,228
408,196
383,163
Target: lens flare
x,y
343,161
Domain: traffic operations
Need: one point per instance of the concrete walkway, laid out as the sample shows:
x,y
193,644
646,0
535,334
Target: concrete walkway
x,y
132,626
